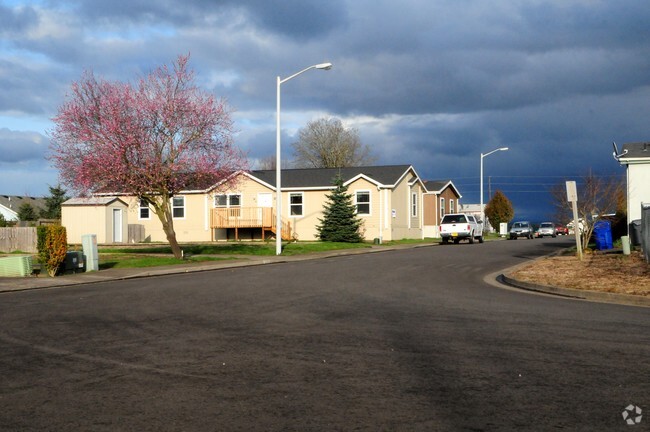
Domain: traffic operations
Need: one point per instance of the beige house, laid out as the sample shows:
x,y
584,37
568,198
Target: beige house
x,y
392,201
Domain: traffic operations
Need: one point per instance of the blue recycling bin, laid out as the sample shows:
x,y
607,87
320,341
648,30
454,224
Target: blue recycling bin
x,y
603,235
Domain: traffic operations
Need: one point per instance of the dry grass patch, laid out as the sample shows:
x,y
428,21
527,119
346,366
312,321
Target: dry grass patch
x,y
606,272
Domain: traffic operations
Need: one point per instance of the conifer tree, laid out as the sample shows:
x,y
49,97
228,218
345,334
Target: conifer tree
x,y
53,203
340,222
26,212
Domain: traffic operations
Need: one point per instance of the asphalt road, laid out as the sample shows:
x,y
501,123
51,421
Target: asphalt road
x,y
409,340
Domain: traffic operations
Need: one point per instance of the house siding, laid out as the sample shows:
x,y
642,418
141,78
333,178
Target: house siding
x,y
80,220
389,218
638,179
403,225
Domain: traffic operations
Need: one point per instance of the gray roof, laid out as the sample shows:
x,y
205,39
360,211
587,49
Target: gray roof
x,y
640,150
13,202
387,175
436,185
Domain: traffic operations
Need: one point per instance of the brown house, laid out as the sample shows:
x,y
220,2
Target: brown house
x,y
441,198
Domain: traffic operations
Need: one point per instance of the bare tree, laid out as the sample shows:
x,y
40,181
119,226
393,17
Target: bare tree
x,y
326,143
267,163
597,197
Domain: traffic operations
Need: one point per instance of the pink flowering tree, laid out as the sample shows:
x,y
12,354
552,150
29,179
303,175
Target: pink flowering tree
x,y
150,140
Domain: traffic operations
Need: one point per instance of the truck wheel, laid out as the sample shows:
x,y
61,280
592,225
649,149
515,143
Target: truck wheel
x,y
471,238
445,240
456,240
480,239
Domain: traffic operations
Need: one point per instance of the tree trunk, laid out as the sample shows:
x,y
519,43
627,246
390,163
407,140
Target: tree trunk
x,y
164,213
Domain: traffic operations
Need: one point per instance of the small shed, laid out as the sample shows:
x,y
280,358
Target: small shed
x,y
106,217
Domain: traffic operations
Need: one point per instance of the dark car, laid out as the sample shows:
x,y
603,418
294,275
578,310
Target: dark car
x,y
521,229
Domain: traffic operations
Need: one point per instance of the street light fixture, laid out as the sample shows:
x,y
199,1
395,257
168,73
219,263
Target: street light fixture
x,y
482,156
278,189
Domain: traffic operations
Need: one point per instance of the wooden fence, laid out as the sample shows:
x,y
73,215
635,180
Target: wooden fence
x,y
18,239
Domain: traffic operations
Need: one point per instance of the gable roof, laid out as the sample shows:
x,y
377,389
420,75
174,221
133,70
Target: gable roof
x,y
13,202
437,186
306,178
92,201
635,152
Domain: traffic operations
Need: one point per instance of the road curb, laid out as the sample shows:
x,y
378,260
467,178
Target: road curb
x,y
595,296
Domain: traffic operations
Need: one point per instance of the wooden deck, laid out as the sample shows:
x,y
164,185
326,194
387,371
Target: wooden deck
x,y
249,217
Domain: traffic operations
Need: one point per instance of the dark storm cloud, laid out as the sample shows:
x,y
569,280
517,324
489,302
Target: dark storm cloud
x,y
432,83
292,18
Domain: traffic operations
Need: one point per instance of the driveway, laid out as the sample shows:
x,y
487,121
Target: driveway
x,y
401,340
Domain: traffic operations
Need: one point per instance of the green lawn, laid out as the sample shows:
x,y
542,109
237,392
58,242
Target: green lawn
x,y
160,255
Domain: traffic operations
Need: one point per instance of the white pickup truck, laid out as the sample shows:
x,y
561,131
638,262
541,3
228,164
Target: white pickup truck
x,y
459,226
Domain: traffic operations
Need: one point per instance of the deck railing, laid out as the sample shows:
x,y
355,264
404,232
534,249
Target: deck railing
x,y
249,217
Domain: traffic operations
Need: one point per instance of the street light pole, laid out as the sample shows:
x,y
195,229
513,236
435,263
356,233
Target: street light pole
x,y
278,158
482,156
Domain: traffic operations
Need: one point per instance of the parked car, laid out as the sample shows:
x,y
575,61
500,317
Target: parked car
x,y
521,229
561,229
461,226
546,229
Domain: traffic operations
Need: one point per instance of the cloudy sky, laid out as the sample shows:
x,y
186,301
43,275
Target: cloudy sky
x,y
431,83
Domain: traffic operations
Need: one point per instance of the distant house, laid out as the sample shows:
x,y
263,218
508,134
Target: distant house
x,y
636,158
441,197
10,204
392,201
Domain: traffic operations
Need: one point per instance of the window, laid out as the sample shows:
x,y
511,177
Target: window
x,y
442,208
451,206
295,203
178,207
414,204
363,202
144,210
224,200
221,200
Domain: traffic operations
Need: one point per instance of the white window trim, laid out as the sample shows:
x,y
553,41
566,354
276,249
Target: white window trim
x,y
302,205
442,208
140,208
356,192
452,208
184,208
228,195
414,205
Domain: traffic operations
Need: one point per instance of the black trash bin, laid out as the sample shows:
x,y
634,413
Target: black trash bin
x,y
635,232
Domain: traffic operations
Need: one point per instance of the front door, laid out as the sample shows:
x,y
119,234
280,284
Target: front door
x,y
265,201
117,225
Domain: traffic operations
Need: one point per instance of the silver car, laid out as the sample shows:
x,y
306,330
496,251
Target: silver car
x,y
546,229
521,229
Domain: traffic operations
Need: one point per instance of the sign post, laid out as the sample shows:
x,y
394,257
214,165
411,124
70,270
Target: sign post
x,y
572,197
